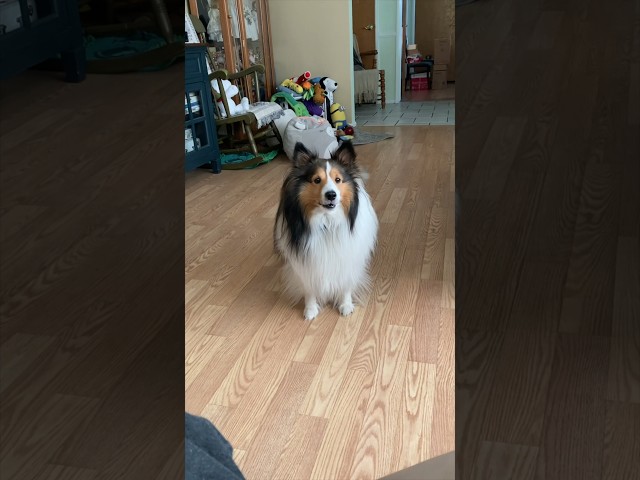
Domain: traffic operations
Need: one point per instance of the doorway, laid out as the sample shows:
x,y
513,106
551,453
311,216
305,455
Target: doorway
x,y
386,26
377,26
428,25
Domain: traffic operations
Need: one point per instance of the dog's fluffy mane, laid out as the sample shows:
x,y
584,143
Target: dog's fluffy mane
x,y
305,164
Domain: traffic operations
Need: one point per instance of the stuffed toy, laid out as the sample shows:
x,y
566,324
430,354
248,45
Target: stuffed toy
x,y
329,85
288,83
287,102
339,121
338,117
307,93
312,108
318,94
230,90
286,90
303,78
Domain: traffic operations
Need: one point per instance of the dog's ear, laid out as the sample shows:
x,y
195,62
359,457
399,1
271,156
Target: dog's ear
x,y
346,155
301,156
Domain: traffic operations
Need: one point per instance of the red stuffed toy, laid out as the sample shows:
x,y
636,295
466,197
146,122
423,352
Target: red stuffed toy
x,y
303,78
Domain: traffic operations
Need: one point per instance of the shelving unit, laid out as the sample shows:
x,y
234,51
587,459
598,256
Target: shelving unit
x,y
201,140
32,31
238,36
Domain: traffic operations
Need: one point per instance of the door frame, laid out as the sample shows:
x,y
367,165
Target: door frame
x,y
399,51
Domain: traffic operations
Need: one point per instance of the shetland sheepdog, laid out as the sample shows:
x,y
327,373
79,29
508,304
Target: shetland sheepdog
x,y
325,231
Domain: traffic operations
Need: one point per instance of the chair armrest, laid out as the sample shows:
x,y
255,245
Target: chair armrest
x,y
258,68
221,74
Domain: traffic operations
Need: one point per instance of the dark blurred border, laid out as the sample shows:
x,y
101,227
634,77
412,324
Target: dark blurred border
x,y
547,257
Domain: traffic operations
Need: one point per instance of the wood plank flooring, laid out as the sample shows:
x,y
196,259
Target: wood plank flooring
x,y
340,397
548,291
91,310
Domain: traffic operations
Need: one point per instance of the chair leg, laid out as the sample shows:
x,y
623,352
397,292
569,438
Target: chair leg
x,y
252,142
382,94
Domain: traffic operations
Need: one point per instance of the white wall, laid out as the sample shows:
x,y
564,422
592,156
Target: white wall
x,y
314,35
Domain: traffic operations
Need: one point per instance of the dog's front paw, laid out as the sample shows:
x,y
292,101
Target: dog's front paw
x,y
346,309
311,311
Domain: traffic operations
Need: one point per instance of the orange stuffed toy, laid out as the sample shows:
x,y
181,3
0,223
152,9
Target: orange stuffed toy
x,y
318,94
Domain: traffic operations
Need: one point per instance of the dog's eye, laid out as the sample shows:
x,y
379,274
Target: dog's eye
x,y
316,180
338,180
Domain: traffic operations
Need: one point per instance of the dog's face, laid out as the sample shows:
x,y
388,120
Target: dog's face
x,y
325,186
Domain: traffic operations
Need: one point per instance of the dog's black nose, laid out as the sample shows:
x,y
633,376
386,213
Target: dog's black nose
x,y
331,195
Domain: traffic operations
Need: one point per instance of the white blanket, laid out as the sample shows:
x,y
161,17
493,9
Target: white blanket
x,y
366,85
266,112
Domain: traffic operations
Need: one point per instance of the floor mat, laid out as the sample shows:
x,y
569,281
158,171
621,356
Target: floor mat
x,y
362,138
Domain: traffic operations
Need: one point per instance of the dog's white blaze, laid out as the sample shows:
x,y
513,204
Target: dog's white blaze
x,y
331,185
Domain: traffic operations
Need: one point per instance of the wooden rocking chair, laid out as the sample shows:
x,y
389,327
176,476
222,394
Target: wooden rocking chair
x,y
243,129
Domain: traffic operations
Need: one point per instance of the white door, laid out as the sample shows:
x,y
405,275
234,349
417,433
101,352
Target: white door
x,y
389,43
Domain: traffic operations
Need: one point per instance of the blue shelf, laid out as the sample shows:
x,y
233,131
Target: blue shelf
x,y
199,119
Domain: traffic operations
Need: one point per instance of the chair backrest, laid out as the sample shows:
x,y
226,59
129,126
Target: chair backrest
x,y
198,27
357,55
356,48
247,82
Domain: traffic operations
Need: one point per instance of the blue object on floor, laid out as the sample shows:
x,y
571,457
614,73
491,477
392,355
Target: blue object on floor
x,y
127,46
244,160
207,454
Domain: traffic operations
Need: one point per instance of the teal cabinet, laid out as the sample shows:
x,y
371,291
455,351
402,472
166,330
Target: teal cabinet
x,y
201,140
32,31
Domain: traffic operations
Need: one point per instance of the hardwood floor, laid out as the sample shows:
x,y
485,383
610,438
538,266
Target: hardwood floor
x,y
548,293
340,397
91,310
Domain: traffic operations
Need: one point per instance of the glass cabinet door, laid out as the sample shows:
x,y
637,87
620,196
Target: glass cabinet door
x,y
254,36
193,105
195,132
236,35
215,34
221,19
253,29
11,17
